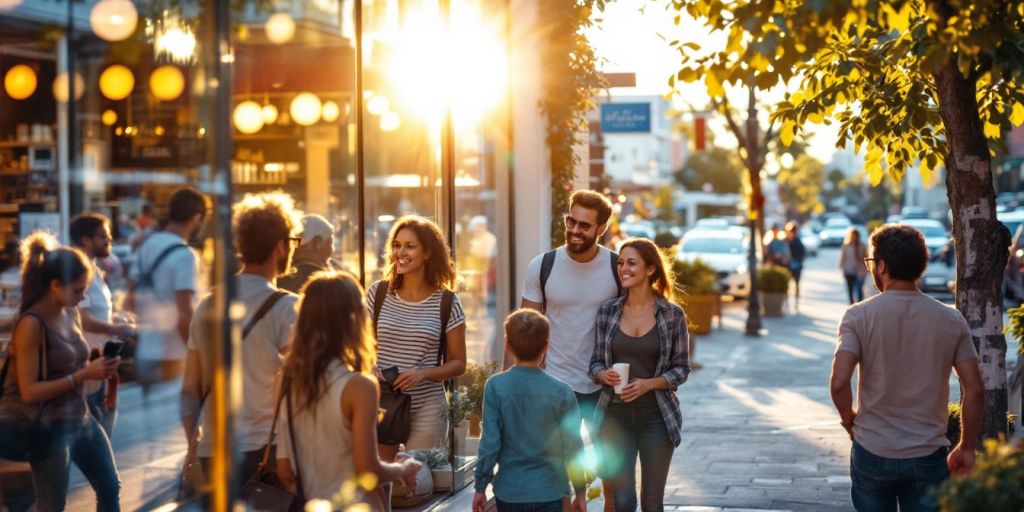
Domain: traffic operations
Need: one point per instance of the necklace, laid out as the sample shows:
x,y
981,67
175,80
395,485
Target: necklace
x,y
640,307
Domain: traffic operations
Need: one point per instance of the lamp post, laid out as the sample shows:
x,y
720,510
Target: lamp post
x,y
753,327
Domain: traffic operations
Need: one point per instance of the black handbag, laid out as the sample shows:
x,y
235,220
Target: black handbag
x,y
396,421
23,438
265,491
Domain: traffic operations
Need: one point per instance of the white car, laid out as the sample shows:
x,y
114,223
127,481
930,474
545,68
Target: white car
x,y
723,250
834,231
810,240
935,235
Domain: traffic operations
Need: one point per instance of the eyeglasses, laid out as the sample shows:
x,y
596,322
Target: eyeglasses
x,y
869,262
571,223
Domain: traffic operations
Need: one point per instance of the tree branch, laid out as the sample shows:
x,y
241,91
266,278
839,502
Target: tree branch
x,y
723,106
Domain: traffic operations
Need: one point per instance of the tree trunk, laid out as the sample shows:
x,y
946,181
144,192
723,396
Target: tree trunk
x,y
981,240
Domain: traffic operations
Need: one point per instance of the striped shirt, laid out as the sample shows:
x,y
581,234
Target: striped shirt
x,y
409,335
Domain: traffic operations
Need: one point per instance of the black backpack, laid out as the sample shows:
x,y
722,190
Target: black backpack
x,y
548,263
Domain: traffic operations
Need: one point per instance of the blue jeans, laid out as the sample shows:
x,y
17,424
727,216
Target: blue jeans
x,y
102,415
87,446
630,430
546,506
880,483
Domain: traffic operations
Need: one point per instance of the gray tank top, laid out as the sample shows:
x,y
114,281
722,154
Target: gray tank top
x,y
642,355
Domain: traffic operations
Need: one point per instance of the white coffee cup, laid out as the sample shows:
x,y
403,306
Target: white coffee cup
x,y
623,370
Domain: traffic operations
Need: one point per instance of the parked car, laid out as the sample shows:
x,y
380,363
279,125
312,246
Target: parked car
x,y
725,251
1013,274
639,229
810,240
940,275
935,235
913,212
834,232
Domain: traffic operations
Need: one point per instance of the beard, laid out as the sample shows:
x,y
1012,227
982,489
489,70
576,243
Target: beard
x,y
579,247
102,251
877,279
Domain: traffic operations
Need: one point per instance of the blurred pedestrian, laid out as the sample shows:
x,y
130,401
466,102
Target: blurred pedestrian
x,y
776,248
328,376
645,331
408,304
797,255
851,262
49,364
314,252
264,228
906,344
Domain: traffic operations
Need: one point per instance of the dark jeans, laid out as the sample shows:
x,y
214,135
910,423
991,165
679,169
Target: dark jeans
x,y
880,483
630,430
102,415
588,406
87,446
854,287
546,506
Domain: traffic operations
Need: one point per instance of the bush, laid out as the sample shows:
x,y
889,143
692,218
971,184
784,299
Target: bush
x,y
474,380
1015,327
953,425
694,278
459,406
996,484
773,279
665,240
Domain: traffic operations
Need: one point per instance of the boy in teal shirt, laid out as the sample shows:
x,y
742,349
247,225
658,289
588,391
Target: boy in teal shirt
x,y
531,429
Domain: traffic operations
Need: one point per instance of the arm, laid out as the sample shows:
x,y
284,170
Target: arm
x,y
183,300
961,459
27,338
95,325
843,365
359,403
128,304
191,395
454,367
490,439
598,363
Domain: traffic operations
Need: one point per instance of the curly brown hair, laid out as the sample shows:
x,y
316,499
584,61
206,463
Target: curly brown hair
x,y
440,270
260,222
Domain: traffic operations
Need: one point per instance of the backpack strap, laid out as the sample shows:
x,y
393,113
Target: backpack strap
x,y
546,265
265,308
447,297
147,276
614,257
379,295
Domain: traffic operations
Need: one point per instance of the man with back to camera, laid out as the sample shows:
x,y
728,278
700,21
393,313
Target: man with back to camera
x,y
906,343
580,276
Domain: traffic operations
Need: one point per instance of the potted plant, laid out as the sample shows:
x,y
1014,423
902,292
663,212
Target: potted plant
x,y
773,284
459,406
696,283
993,484
953,424
474,379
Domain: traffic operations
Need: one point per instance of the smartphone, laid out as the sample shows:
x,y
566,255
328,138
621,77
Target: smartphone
x,y
112,349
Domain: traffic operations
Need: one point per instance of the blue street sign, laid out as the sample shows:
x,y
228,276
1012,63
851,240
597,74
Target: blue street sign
x,y
626,117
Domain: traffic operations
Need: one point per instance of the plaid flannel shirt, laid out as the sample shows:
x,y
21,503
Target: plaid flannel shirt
x,y
673,362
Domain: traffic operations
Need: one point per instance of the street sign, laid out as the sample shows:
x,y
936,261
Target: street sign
x,y
626,117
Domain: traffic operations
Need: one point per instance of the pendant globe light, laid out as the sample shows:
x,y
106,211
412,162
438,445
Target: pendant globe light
x,y
20,82
60,87
248,117
166,82
116,82
305,109
113,20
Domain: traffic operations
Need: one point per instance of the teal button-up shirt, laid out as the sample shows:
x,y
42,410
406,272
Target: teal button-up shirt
x,y
531,430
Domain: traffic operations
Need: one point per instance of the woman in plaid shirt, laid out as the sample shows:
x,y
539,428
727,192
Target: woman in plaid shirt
x,y
645,329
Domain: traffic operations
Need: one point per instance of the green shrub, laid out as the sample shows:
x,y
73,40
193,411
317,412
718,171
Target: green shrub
x,y
694,278
996,483
953,425
1015,327
773,279
458,406
474,380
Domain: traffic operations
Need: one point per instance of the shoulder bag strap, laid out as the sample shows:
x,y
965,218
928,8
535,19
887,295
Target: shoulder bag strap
x,y
295,448
614,257
265,308
147,275
273,427
447,297
546,265
379,295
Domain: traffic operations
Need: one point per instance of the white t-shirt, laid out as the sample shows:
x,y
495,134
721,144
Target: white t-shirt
x,y
159,338
574,292
260,359
99,304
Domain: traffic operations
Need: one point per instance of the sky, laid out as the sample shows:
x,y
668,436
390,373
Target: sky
x,y
634,35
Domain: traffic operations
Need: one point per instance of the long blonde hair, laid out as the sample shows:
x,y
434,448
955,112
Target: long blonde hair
x,y
333,324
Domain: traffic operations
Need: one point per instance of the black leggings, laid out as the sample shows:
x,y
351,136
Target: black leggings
x,y
854,287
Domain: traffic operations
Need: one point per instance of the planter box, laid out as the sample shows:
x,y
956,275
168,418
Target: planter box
x,y
773,303
445,480
700,311
471,446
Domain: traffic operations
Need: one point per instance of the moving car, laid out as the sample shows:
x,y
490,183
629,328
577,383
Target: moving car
x,y
834,232
723,250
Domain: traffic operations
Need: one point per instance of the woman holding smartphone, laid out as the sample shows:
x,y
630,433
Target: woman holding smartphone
x,y
644,332
53,282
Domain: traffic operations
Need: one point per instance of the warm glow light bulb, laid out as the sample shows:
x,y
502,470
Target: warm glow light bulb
x,y
60,87
109,117
166,82
117,82
390,122
20,82
113,20
248,117
378,104
280,28
330,111
269,114
305,109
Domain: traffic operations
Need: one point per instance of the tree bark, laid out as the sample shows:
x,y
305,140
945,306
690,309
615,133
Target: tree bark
x,y
981,241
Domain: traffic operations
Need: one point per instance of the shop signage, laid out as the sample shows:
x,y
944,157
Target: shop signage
x,y
626,117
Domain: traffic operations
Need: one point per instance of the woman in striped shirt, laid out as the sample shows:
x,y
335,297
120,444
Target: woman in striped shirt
x,y
418,272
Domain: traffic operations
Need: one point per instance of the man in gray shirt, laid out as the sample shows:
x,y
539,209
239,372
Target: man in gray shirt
x,y
906,343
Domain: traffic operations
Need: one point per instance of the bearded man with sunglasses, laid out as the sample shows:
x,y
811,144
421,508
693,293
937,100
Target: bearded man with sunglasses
x,y
568,285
